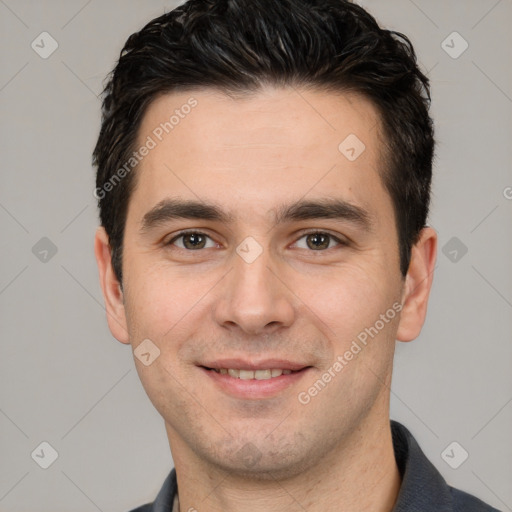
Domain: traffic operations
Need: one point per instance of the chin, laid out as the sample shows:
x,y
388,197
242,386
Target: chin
x,y
261,460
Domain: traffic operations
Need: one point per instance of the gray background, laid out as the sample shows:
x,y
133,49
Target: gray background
x,y
66,381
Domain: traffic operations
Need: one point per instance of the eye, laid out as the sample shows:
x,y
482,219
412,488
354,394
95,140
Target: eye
x,y
195,240
191,240
319,240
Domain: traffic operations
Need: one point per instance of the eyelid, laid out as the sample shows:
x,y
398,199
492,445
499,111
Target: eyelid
x,y
312,231
187,232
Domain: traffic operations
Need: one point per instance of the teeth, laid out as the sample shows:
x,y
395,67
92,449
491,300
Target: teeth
x,y
262,374
250,374
246,374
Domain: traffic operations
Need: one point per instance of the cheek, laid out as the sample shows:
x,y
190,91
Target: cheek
x,y
347,299
151,303
162,301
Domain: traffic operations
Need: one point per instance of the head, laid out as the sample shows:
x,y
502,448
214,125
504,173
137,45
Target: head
x,y
331,45
262,120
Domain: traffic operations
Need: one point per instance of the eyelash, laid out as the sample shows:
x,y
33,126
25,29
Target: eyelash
x,y
303,234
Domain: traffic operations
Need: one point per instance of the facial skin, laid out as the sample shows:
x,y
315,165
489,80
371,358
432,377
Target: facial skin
x,y
249,157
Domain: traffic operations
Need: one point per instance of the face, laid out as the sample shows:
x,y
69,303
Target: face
x,y
275,314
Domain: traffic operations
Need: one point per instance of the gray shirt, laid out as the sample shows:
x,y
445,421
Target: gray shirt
x,y
423,489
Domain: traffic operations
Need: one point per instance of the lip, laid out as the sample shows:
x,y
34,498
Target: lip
x,y
254,389
266,364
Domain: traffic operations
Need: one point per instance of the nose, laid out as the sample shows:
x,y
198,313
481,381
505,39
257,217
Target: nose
x,y
254,297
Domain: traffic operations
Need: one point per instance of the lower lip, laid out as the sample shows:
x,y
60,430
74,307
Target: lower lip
x,y
253,388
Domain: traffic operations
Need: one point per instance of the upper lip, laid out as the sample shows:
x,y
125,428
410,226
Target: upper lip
x,y
267,364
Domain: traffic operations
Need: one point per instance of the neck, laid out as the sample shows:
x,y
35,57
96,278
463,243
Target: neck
x,y
359,475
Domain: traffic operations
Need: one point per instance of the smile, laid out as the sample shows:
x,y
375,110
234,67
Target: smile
x,y
254,383
250,374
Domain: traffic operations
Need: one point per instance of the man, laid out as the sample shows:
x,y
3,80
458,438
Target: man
x,y
263,180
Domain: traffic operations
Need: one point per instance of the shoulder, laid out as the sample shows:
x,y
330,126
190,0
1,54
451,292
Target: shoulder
x,y
464,502
143,508
165,499
423,487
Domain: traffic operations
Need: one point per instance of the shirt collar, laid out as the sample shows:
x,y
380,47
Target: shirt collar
x,y
423,487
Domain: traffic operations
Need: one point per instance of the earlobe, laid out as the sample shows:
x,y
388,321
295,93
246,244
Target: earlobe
x,y
418,284
111,288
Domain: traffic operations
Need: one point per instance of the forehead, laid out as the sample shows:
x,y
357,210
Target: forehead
x,y
273,117
259,148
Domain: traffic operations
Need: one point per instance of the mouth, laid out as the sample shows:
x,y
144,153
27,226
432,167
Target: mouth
x,y
254,381
253,374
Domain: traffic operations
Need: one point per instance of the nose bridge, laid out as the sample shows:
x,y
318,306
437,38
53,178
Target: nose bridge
x,y
253,298
252,278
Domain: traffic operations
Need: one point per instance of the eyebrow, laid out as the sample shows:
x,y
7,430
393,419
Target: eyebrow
x,y
172,208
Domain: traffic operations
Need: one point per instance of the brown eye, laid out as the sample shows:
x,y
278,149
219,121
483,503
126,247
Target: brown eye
x,y
191,240
319,241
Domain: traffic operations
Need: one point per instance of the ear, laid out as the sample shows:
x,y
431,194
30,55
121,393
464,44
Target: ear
x,y
418,283
112,293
